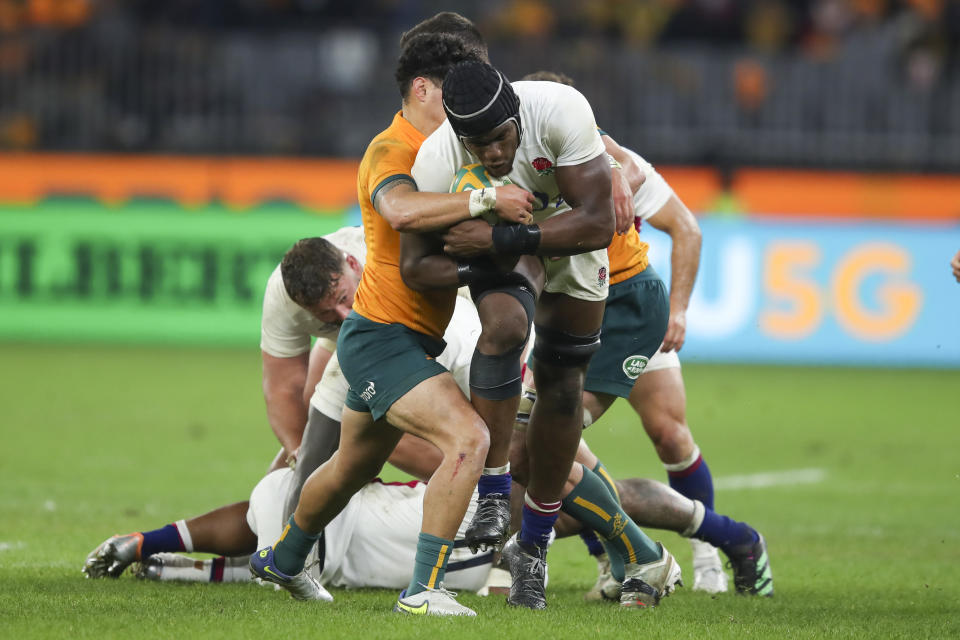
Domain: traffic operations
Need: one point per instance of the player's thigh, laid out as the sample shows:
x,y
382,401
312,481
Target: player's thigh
x,y
659,398
382,363
565,313
437,411
597,404
365,444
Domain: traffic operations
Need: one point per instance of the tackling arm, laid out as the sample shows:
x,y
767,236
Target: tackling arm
x,y
422,266
589,225
625,180
676,220
409,210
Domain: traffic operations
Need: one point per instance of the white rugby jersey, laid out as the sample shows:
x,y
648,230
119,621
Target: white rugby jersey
x,y
558,130
373,541
653,193
285,326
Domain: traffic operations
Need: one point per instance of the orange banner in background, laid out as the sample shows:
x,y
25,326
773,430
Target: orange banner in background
x,y
325,184
192,181
848,194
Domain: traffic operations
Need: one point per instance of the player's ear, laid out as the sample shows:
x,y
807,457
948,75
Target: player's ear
x,y
419,87
354,264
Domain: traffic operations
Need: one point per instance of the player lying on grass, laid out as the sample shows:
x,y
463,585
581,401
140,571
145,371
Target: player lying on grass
x,y
632,363
352,542
367,545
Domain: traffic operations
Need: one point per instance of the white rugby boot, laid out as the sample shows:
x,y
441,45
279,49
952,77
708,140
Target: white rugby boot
x,y
708,573
432,602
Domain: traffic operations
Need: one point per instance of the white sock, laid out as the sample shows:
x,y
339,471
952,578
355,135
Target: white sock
x,y
185,537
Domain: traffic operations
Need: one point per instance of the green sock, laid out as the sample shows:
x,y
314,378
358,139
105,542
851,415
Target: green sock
x,y
291,550
430,565
590,502
607,480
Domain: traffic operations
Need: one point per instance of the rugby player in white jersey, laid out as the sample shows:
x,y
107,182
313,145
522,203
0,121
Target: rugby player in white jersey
x,y
656,391
368,544
307,296
541,136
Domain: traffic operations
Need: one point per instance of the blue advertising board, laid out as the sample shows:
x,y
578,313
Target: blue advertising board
x,y
843,293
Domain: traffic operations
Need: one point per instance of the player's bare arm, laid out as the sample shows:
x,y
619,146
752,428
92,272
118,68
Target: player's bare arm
x,y
409,210
422,266
588,226
283,390
625,180
676,220
955,265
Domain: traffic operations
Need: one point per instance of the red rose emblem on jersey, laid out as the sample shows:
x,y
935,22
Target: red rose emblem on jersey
x,y
601,276
542,166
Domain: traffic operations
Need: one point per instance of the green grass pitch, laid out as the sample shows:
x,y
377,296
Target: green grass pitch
x,y
100,440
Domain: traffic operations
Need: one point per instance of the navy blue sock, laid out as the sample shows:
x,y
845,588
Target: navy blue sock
x,y
536,525
723,532
164,539
499,483
589,537
694,482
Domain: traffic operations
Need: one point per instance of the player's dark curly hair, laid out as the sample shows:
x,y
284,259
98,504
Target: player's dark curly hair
x,y
430,55
311,269
549,76
452,24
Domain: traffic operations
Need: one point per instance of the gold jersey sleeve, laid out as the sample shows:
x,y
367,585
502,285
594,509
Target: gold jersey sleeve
x,y
382,296
627,255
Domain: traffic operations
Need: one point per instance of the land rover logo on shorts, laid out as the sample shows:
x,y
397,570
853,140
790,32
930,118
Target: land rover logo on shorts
x,y
634,366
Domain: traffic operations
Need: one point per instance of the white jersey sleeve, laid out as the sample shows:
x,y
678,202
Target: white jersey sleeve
x,y
653,193
565,123
285,326
438,160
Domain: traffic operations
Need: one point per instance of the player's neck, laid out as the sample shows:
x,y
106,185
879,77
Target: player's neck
x,y
421,118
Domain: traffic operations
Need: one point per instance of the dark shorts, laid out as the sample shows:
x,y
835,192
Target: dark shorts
x,y
634,322
382,362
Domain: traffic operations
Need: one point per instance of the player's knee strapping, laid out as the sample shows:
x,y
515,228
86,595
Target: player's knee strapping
x,y
498,377
565,349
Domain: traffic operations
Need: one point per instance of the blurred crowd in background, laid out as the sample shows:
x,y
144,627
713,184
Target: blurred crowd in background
x,y
869,84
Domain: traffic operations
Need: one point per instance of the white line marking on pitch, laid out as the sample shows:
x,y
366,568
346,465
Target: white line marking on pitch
x,y
771,479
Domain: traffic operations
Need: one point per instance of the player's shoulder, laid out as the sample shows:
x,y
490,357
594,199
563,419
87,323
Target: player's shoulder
x,y
349,239
386,145
541,93
442,142
343,237
394,142
275,283
437,159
